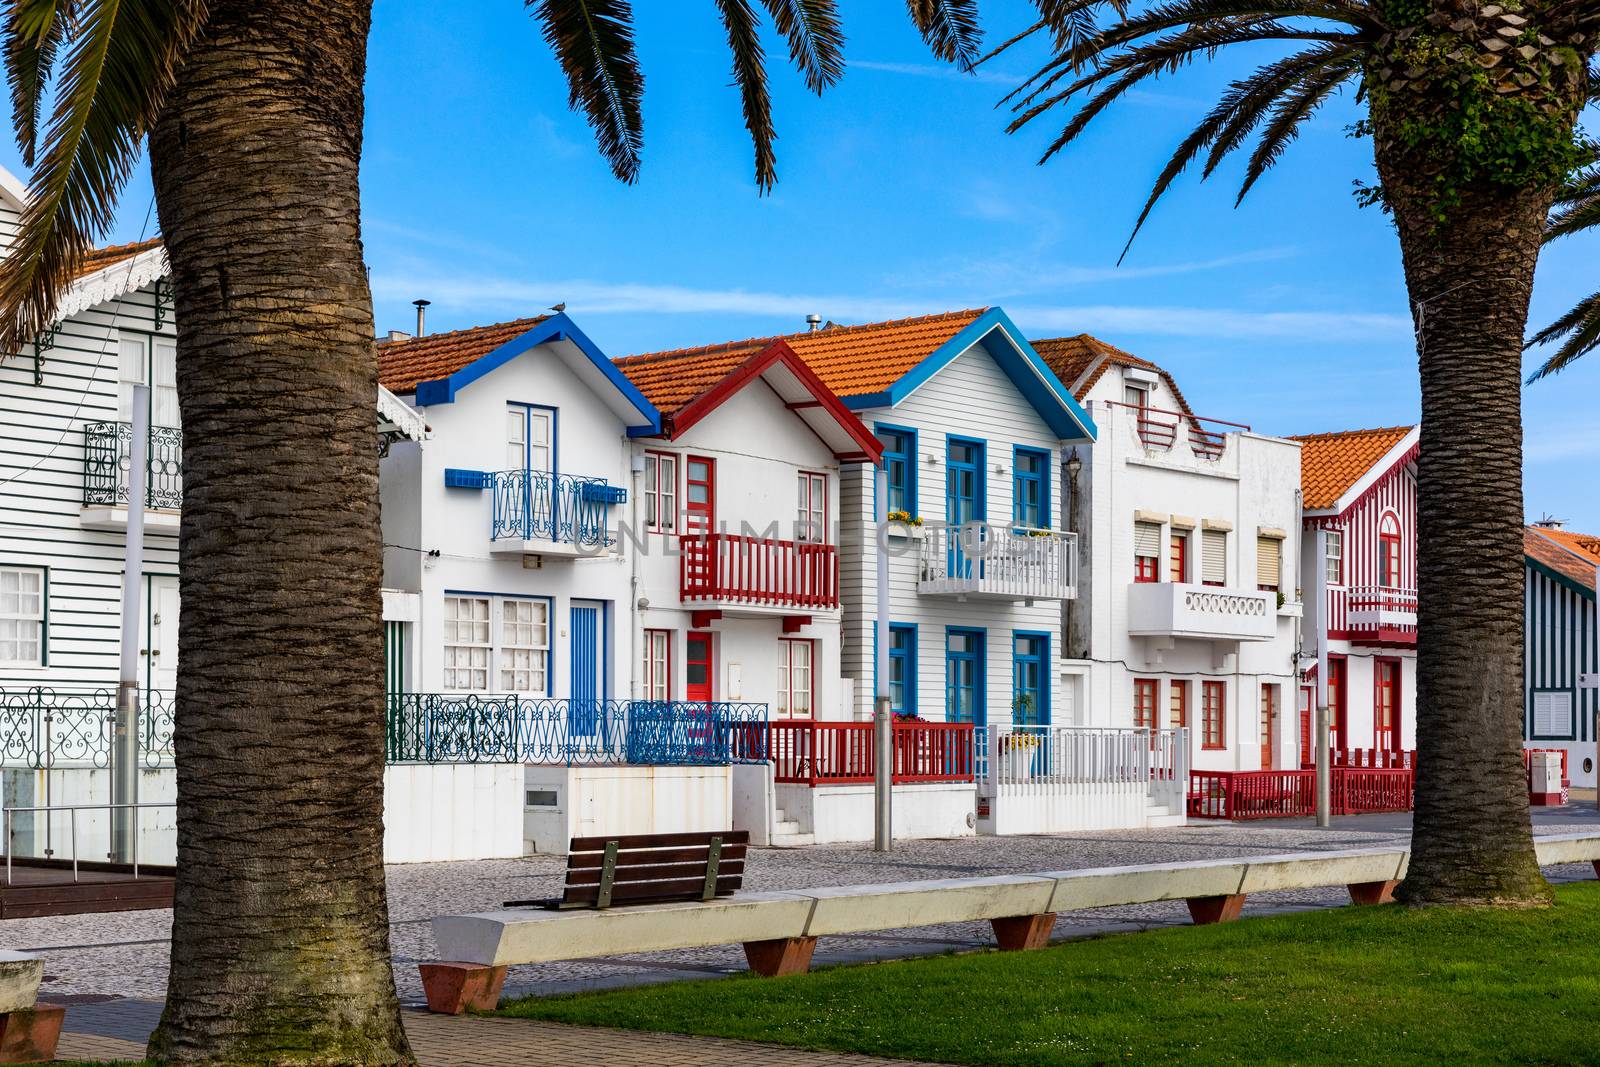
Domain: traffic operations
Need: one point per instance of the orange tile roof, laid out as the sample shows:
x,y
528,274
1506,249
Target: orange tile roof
x,y
850,360
101,258
1331,463
403,363
1083,360
1540,546
1588,544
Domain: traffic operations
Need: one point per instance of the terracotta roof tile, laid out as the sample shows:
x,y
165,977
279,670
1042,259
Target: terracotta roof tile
x,y
1083,360
101,258
1588,544
403,363
1331,463
1540,545
850,360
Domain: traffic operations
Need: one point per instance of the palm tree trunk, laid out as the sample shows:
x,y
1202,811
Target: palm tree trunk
x,y
280,939
1469,276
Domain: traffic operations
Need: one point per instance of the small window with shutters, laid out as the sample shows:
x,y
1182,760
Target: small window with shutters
x,y
1214,557
1146,551
1552,716
1269,563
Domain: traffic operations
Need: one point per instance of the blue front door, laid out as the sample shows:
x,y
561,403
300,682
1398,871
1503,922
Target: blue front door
x,y
588,686
964,501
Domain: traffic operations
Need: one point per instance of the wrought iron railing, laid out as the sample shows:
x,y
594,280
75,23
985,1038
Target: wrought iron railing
x,y
532,505
466,728
107,457
43,727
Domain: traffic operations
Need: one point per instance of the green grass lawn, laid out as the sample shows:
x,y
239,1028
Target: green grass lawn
x,y
1349,985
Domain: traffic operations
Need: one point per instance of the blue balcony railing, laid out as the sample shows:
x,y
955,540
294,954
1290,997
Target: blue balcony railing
x,y
534,505
460,728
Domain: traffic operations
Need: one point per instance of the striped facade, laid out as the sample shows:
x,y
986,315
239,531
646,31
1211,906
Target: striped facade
x,y
1394,496
1559,645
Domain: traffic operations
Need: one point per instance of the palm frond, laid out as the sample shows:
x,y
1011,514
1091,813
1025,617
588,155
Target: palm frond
x,y
593,43
121,61
1577,206
950,27
749,71
1290,112
34,30
816,42
1579,333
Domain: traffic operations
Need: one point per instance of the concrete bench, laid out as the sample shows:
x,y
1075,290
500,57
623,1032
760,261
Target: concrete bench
x,y
779,930
29,1030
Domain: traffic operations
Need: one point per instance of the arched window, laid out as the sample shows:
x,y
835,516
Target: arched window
x,y
1389,551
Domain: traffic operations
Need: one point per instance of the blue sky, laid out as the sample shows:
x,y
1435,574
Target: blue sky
x,y
900,193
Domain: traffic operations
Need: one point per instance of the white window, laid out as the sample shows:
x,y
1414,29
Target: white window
x,y
811,523
1552,715
657,675
467,646
1214,557
529,439
794,677
524,649
1146,551
21,616
661,491
143,359
1335,558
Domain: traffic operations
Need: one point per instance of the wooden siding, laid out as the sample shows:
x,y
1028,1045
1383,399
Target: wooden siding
x,y
41,489
1558,645
1396,493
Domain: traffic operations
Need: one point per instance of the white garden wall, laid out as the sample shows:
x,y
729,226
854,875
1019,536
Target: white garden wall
x,y
451,811
595,801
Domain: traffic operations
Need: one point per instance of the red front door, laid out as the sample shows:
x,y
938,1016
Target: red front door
x,y
1336,701
698,666
1386,705
1269,715
1308,741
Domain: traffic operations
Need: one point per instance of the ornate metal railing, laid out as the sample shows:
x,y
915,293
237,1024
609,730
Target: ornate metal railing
x,y
43,727
462,728
534,505
107,455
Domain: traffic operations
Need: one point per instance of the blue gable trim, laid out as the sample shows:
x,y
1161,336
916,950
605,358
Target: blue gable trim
x,y
1010,349
556,328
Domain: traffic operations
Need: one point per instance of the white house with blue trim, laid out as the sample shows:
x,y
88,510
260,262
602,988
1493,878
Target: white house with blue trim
x,y
1560,645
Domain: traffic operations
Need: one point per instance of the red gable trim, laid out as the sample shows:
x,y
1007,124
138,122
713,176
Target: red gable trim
x,y
752,369
1399,464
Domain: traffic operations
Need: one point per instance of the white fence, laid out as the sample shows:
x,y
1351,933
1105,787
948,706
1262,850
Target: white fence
x,y
1053,779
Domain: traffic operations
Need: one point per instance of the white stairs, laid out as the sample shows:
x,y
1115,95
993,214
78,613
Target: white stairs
x,y
1158,815
788,833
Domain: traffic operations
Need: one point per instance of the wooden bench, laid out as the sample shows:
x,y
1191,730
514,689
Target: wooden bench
x,y
605,873
779,930
649,869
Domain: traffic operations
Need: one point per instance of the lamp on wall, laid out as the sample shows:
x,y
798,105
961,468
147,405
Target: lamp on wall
x,y
1074,466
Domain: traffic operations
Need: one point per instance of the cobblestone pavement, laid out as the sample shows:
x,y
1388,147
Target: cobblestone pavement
x,y
93,957
450,1041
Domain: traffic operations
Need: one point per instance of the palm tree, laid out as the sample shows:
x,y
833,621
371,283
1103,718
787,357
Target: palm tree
x,y
1471,109
253,109
1577,210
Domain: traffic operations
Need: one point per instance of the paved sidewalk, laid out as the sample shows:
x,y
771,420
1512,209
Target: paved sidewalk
x,y
449,1041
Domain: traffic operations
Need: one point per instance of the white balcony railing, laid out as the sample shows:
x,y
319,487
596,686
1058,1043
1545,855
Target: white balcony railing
x,y
1375,608
1217,613
979,559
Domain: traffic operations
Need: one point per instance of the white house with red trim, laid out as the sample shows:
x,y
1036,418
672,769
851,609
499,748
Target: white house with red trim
x,y
1361,487
1187,616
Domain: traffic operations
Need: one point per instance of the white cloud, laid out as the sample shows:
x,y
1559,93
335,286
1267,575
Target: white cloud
x,y
929,70
1317,326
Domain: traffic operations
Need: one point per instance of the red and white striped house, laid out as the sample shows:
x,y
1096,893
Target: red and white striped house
x,y
1361,487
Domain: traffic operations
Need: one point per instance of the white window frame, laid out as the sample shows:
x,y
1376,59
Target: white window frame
x,y
661,494
1333,563
656,672
789,673
16,621
529,654
469,652
811,520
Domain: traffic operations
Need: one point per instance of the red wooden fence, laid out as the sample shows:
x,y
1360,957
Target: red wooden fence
x,y
844,753
1368,757
758,570
1285,794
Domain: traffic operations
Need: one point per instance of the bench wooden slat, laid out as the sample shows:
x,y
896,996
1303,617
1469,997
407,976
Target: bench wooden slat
x,y
598,844
678,889
665,872
594,860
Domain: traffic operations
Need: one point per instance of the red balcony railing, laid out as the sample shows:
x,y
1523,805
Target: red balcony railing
x,y
736,569
844,753
1159,430
1240,795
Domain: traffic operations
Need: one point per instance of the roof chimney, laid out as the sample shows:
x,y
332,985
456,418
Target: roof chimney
x,y
813,322
1550,524
398,335
422,315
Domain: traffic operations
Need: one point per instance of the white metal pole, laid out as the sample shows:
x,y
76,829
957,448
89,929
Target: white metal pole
x,y
882,727
1324,776
125,732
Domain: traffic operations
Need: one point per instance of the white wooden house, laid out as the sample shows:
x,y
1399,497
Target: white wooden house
x,y
1361,487
1187,612
971,425
64,464
1559,645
